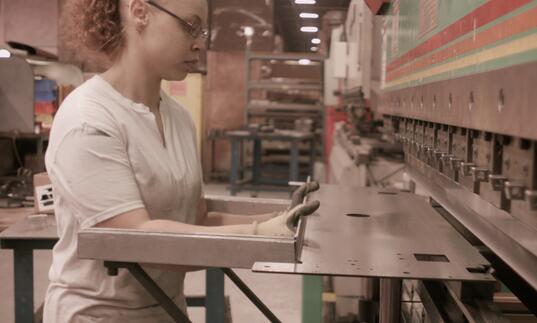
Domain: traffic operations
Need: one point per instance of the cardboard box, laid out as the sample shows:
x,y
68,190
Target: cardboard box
x,y
43,195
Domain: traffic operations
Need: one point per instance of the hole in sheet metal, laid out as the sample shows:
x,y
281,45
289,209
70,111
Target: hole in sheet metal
x,y
479,269
358,215
406,272
430,257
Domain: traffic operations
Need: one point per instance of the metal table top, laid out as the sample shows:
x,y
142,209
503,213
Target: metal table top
x,y
277,135
32,227
369,232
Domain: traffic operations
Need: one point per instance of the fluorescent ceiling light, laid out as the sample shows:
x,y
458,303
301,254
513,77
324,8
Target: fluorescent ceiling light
x,y
309,29
305,1
304,61
316,41
4,53
248,31
309,15
314,48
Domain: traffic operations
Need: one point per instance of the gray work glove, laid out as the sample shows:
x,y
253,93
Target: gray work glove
x,y
299,194
284,224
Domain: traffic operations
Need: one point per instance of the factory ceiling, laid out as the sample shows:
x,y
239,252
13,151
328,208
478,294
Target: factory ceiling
x,y
287,21
268,18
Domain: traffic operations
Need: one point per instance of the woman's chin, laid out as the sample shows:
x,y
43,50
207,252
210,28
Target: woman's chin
x,y
176,76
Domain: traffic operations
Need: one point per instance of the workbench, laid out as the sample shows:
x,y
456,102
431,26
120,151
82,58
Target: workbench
x,y
32,232
238,137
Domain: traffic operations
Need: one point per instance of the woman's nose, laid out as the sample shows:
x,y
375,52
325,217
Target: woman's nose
x,y
199,44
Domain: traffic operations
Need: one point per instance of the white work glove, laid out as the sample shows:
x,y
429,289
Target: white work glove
x,y
299,194
284,224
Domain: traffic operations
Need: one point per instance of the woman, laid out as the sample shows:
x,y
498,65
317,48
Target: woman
x,y
122,154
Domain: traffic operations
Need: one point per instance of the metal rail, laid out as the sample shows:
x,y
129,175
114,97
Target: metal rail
x,y
152,288
251,295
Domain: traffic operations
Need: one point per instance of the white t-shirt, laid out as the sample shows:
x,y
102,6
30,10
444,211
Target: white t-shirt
x,y
106,157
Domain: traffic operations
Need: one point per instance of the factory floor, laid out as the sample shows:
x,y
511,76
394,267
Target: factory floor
x,y
282,293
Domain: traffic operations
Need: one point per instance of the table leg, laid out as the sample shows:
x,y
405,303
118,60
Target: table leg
x,y
256,172
312,157
251,295
215,306
40,155
23,261
293,163
312,303
390,300
234,176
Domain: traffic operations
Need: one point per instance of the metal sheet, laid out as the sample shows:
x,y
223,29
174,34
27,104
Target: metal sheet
x,y
208,250
387,243
244,205
195,249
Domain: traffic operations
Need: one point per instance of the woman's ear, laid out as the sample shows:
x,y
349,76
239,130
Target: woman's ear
x,y
139,13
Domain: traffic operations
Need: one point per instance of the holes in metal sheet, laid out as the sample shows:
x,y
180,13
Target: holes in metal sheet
x,y
479,269
387,193
406,272
358,215
431,257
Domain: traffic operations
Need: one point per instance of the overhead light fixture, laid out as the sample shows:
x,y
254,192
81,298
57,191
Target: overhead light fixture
x,y
309,29
248,31
314,48
316,41
309,15
305,1
4,53
304,61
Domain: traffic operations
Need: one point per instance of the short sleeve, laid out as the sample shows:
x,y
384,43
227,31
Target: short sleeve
x,y
91,171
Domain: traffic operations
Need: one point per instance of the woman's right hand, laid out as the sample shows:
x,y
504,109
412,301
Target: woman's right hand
x,y
284,224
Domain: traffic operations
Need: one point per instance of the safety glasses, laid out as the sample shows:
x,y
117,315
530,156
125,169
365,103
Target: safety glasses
x,y
193,29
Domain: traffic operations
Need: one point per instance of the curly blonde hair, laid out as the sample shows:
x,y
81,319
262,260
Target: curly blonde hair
x,y
94,25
